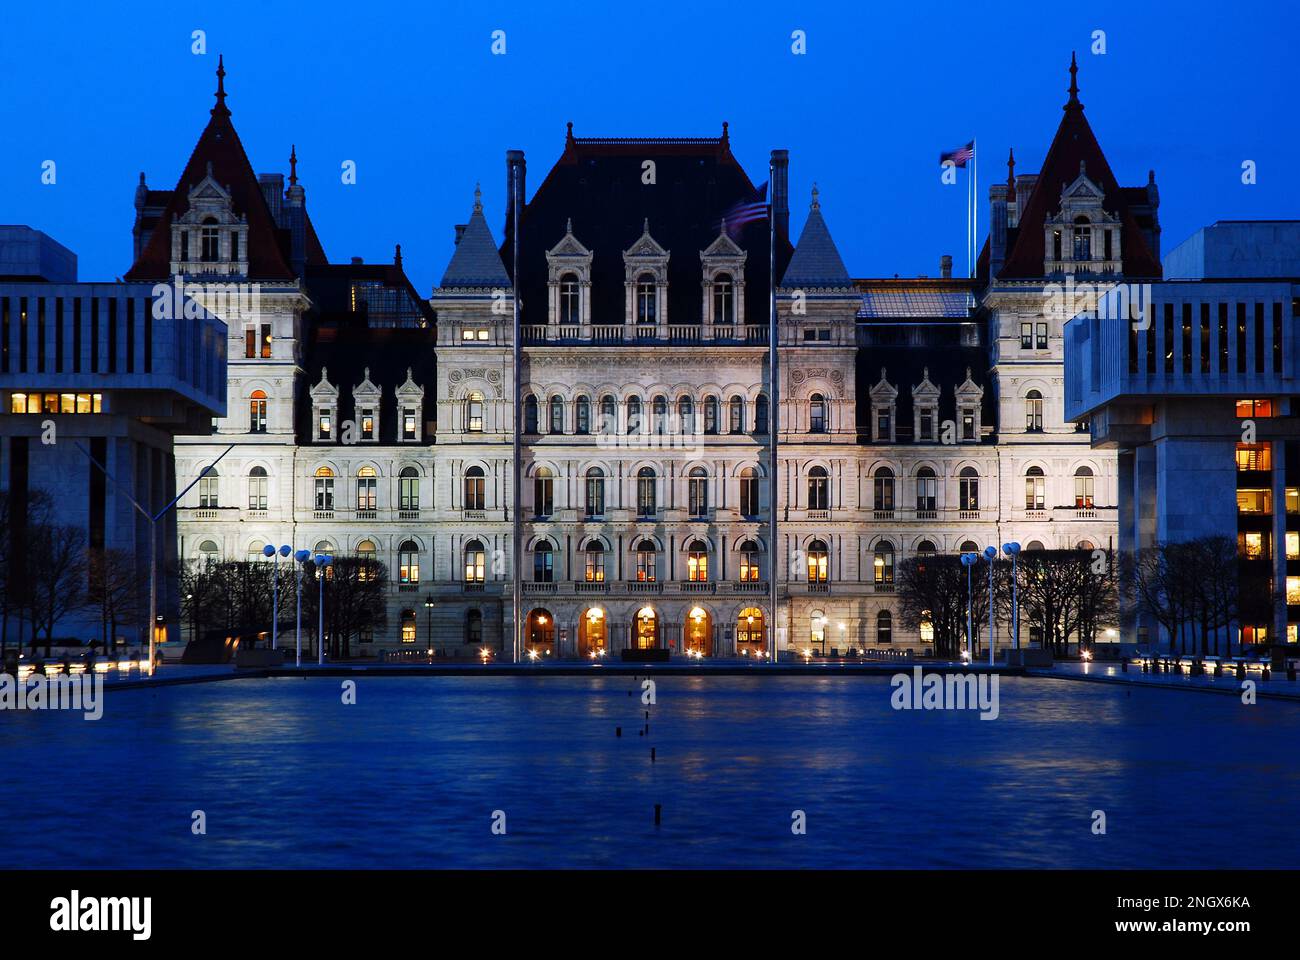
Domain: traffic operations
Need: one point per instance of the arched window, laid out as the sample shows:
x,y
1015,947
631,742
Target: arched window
x,y
324,489
1083,488
925,548
686,414
210,242
749,561
608,415
255,550
697,561
475,489
473,627
257,412
543,562
367,488
882,564
543,492
646,299
819,489
749,492
570,300
760,414
408,626
646,565
1035,489
257,486
1085,545
1082,239
817,413
927,490
366,555
408,489
660,415
530,414
710,414
968,546
633,415
595,506
884,627
736,418
557,415
646,501
595,567
208,552
475,562
697,488
474,413
818,562
209,487
1033,411
408,562
883,483
724,299
582,415
1034,545
968,489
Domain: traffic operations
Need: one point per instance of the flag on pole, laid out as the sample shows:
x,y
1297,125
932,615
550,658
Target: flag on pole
x,y
960,156
749,210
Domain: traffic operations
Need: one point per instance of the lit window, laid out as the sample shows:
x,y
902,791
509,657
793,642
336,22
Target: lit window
x,y
1255,501
257,484
1254,408
257,412
749,561
324,489
645,561
475,562
1254,456
408,562
1033,412
883,564
697,561
1292,590
595,567
1292,545
817,562
367,423
1083,488
367,488
473,413
475,488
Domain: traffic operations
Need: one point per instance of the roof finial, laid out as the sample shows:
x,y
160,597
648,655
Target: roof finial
x,y
293,165
221,86
568,225
568,137
726,137
645,227
397,262
1011,173
1074,82
478,198
816,203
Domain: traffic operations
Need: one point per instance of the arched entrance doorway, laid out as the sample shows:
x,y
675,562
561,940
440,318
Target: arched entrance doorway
x,y
593,633
749,632
646,630
539,633
699,632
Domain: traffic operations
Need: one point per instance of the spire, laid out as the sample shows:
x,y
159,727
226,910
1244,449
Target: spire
x,y
397,262
726,137
816,203
1074,84
293,165
568,137
221,107
478,198
816,260
1011,173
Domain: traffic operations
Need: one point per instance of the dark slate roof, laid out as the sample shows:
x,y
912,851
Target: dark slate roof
x,y
1074,144
950,300
597,182
476,262
816,261
220,147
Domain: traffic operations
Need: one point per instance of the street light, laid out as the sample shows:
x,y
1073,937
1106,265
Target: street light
x,y
969,560
990,554
270,551
302,556
428,623
1012,550
323,561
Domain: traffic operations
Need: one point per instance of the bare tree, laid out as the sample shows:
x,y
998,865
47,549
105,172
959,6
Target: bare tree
x,y
114,589
56,577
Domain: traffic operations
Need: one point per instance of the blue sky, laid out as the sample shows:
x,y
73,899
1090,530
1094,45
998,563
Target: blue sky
x,y
413,95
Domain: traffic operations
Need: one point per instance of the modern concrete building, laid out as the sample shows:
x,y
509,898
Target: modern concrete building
x,y
1193,382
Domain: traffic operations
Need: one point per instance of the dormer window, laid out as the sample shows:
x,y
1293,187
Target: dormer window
x,y
570,300
408,424
324,424
884,424
474,413
817,414
968,423
1082,239
646,299
724,299
367,423
210,240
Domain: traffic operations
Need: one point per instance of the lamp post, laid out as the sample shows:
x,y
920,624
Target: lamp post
x,y
270,551
1012,550
428,623
969,560
990,554
302,556
323,561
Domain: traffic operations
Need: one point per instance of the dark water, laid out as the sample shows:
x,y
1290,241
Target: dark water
x,y
288,776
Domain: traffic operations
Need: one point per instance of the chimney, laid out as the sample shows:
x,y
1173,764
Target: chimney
x,y
357,261
515,158
272,185
998,216
1024,187
460,232
945,266
780,187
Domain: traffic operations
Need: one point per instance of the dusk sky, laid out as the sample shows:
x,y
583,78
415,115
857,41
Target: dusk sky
x,y
413,94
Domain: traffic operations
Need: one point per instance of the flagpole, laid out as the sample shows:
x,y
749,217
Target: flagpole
x,y
774,408
975,204
517,527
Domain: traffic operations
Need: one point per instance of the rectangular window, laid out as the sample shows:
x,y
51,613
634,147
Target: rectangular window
x,y
1187,338
1259,338
1292,591
882,425
1292,545
926,425
1026,336
40,335
1040,336
1255,501
1241,338
324,423
1132,348
1223,338
60,319
1205,338
266,341
1169,338
1277,337
1254,456
112,335
967,423
1293,499
408,424
1150,334
250,343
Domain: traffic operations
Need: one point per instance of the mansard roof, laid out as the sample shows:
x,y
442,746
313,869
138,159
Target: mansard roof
x,y
1074,144
476,262
598,183
220,149
816,260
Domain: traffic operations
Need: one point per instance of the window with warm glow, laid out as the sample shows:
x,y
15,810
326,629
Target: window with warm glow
x,y
1254,456
1255,501
1292,590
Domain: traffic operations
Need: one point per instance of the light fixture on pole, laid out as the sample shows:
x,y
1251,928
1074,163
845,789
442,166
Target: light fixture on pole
x,y
969,560
323,561
428,623
990,554
270,551
1012,550
302,556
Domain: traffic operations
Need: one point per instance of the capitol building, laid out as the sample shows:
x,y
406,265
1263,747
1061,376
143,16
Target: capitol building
x,y
915,415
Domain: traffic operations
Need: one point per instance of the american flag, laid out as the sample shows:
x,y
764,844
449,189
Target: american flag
x,y
960,156
749,210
